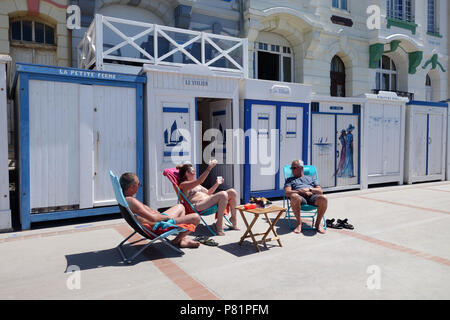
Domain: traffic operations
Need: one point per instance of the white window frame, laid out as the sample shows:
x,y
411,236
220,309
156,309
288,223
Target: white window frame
x,y
397,9
391,72
432,16
33,33
340,4
281,51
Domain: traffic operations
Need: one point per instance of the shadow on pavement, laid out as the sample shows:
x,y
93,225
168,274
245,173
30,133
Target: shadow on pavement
x,y
112,258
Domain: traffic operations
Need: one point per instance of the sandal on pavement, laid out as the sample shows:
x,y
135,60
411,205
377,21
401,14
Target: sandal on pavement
x,y
231,227
345,224
208,242
198,238
333,225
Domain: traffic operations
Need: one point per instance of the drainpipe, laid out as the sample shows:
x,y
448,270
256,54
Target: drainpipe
x,y
241,17
70,50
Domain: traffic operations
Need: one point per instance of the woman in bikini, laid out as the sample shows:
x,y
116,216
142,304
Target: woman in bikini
x,y
202,198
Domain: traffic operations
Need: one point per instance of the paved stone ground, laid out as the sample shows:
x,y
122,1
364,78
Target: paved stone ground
x,y
399,249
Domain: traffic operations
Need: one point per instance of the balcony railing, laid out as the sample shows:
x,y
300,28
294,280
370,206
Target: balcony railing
x,y
114,40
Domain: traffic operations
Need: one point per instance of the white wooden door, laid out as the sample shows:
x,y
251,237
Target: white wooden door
x,y
114,135
175,140
435,143
324,155
419,145
291,137
375,138
221,120
54,144
347,142
263,147
391,139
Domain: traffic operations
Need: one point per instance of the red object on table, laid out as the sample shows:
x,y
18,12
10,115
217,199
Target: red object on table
x,y
249,206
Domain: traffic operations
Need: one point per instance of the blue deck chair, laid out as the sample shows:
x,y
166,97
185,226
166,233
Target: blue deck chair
x,y
131,219
172,175
306,210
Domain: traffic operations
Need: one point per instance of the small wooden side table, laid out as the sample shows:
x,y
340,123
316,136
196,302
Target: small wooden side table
x,y
257,212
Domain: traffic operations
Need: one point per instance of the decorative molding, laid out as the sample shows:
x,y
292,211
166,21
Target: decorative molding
x,y
434,34
434,63
414,59
376,51
341,21
393,45
402,24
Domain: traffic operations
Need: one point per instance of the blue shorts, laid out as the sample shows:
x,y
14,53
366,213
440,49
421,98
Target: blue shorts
x,y
310,200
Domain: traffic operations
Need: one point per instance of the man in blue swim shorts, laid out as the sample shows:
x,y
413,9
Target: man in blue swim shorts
x,y
148,217
301,189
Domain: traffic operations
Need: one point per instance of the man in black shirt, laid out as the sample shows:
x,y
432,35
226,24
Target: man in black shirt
x,y
303,189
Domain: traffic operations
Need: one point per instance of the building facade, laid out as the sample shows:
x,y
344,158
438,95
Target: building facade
x,y
334,50
34,31
327,44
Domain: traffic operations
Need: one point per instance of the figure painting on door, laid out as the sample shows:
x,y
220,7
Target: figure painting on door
x,y
345,167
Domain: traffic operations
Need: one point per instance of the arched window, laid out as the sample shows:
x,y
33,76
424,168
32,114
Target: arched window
x,y
428,89
386,77
32,31
32,41
337,76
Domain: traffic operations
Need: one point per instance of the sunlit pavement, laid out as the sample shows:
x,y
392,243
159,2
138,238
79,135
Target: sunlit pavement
x,y
399,249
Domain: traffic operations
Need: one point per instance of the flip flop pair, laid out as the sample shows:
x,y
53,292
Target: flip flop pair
x,y
206,241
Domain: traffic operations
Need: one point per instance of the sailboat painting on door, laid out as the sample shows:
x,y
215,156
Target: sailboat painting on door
x,y
323,145
173,137
176,137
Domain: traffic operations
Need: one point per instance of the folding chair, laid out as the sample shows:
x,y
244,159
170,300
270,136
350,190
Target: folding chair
x,y
131,219
306,210
172,175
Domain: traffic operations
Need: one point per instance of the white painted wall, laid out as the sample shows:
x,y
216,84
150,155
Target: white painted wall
x,y
5,212
77,134
172,87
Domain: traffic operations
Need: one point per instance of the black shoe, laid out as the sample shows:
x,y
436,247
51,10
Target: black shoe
x,y
333,225
345,224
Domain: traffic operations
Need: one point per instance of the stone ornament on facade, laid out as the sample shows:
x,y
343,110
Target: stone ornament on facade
x,y
434,63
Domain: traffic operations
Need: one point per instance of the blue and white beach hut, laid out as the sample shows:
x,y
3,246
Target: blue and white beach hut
x,y
74,126
275,118
335,143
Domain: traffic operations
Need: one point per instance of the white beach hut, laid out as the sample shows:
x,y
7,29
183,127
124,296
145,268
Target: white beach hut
x,y
190,112
74,126
426,141
5,212
384,138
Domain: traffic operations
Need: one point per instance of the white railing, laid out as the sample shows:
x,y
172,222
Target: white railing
x,y
114,40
